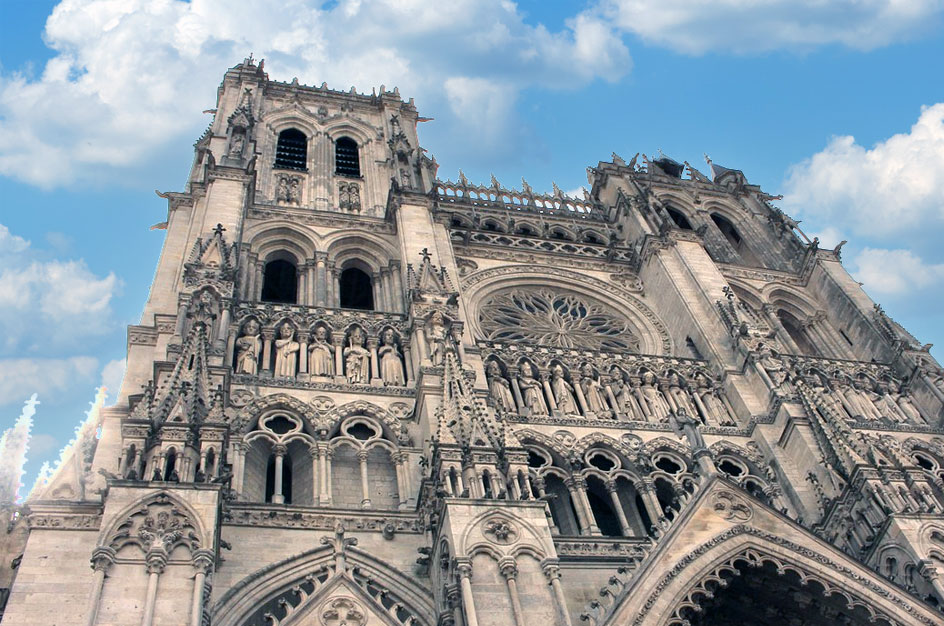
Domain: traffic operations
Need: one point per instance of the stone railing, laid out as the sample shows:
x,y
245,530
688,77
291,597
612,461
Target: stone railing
x,y
536,381
496,196
609,548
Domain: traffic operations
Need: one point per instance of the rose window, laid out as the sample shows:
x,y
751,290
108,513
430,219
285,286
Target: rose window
x,y
547,317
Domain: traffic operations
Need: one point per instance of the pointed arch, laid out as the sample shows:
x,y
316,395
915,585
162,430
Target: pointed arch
x,y
118,529
374,581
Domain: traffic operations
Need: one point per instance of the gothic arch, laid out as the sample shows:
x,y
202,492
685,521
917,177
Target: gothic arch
x,y
246,418
269,237
373,252
652,333
364,573
359,407
117,530
478,538
659,599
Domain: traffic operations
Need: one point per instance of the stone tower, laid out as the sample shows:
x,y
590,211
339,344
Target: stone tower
x,y
363,395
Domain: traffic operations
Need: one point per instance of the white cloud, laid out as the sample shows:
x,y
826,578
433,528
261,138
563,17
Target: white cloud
x,y
894,187
131,77
699,26
112,375
894,272
21,377
48,301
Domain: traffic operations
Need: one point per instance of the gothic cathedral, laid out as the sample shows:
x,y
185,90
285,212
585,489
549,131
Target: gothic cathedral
x,y
361,394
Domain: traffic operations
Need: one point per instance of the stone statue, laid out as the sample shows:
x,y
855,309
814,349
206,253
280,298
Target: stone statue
x,y
357,359
391,364
592,391
563,392
677,393
655,406
772,365
687,426
626,397
281,191
321,354
436,338
866,399
499,389
236,145
713,404
531,393
286,352
295,191
247,349
908,408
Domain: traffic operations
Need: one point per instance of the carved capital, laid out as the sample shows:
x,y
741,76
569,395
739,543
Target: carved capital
x,y
463,568
156,560
279,449
508,568
202,561
551,569
102,558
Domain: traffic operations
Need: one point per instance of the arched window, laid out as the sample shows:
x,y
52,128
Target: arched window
x,y
292,150
679,218
734,238
796,331
170,466
347,161
356,290
280,282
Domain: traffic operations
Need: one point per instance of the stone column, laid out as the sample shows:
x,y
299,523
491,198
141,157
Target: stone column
x,y
102,560
311,281
581,400
551,400
181,318
156,561
324,497
397,286
542,495
338,340
408,360
552,573
279,451
379,295
581,486
300,287
268,336
398,459
612,489
302,353
653,508
582,521
223,330
464,572
365,485
239,466
230,347
334,289
321,278
509,570
257,285
202,562
374,362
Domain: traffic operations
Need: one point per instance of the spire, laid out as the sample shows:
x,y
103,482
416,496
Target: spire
x,y
185,395
837,438
465,420
13,445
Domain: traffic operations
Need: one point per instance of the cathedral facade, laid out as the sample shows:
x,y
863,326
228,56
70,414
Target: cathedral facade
x,y
361,394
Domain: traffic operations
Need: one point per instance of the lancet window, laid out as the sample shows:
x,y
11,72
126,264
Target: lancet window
x,y
280,281
291,151
357,290
734,238
346,158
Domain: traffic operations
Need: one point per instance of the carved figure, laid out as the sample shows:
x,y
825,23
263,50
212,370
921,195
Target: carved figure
x,y
247,349
563,391
713,404
866,399
592,391
357,359
678,394
908,408
626,397
772,365
320,360
236,145
295,191
655,405
391,364
405,179
687,426
281,190
436,338
286,352
499,389
531,393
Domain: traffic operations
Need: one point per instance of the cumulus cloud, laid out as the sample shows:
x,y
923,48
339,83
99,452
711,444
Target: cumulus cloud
x,y
894,272
21,377
893,187
48,301
696,27
131,77
112,375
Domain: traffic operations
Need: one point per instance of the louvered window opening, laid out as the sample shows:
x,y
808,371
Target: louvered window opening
x,y
292,150
347,160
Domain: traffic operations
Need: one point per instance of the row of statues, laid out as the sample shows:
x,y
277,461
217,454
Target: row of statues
x,y
644,397
865,399
351,360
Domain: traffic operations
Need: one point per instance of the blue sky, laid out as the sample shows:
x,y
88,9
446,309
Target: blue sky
x,y
839,105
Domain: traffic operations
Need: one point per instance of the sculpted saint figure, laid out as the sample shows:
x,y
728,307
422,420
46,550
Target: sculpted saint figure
x,y
247,349
563,391
436,338
286,352
531,393
908,408
499,388
680,395
626,396
236,145
281,192
592,390
687,426
772,365
391,366
357,359
710,400
656,405
320,359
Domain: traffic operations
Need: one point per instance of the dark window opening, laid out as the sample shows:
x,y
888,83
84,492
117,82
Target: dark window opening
x,y
845,336
170,468
357,292
668,465
666,498
923,462
605,518
602,463
730,468
361,432
797,333
292,150
680,220
279,424
535,460
280,282
643,513
347,161
286,479
727,229
693,349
